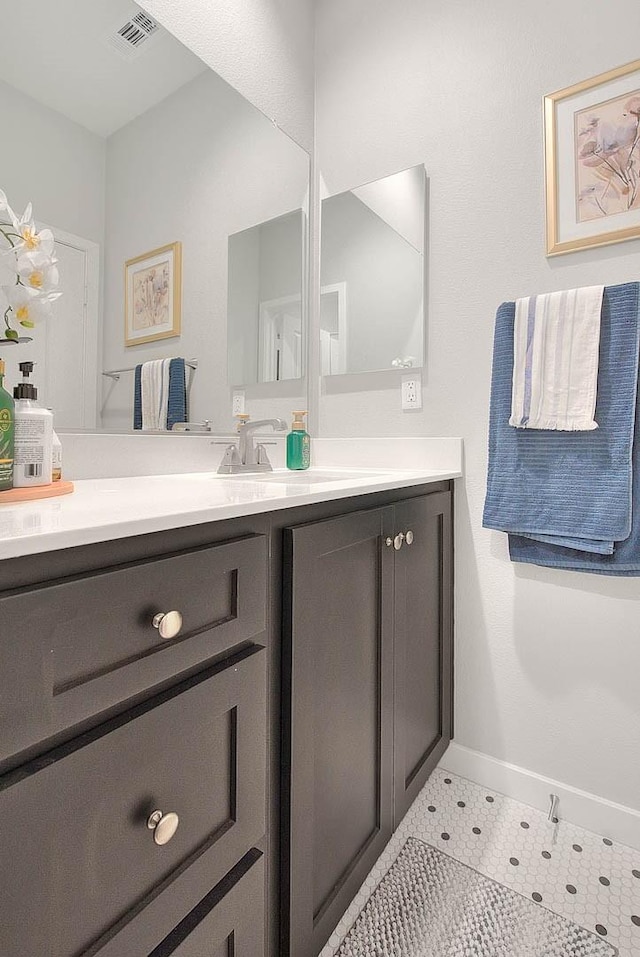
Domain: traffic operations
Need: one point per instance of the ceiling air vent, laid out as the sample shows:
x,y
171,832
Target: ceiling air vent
x,y
128,38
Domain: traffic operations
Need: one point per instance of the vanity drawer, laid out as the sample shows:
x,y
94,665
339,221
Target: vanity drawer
x,y
80,864
80,646
225,922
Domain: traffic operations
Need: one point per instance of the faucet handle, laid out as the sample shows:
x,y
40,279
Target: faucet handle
x,y
243,418
261,454
230,459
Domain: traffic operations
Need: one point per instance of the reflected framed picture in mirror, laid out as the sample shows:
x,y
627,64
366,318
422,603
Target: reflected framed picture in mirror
x,y
153,295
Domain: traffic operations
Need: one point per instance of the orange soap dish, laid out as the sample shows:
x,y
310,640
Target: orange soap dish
x,y
14,495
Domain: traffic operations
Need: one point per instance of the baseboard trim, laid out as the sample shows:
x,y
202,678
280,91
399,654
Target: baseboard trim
x,y
597,814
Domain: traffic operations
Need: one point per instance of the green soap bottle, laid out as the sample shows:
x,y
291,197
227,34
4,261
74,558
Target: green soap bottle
x,y
7,434
298,444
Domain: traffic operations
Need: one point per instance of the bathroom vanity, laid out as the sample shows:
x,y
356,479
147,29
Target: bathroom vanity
x,y
222,780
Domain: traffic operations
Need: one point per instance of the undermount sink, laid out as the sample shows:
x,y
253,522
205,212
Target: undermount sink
x,y
304,477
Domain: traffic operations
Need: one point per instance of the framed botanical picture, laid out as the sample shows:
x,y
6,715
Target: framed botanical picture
x,y
153,295
592,151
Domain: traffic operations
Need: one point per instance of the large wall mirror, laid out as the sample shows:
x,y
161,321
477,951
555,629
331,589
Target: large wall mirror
x,y
372,276
178,210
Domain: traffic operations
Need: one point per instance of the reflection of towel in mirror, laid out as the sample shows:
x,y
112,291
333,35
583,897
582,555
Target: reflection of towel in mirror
x,y
160,397
155,394
177,403
555,363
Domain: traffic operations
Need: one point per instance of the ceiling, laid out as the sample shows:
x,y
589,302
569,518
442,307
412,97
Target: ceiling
x,y
58,53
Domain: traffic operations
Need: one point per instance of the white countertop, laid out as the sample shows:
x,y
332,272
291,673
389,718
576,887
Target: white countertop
x,y
104,509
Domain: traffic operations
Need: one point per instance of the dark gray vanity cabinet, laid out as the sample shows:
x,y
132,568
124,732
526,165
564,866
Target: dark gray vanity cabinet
x,y
288,723
135,756
367,682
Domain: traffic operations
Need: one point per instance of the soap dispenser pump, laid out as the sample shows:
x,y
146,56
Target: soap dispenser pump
x,y
298,444
33,434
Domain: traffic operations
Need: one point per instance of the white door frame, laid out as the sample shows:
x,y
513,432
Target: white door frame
x,y
267,339
87,383
339,288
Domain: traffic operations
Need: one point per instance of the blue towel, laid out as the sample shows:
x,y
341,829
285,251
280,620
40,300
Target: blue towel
x,y
625,560
568,488
137,397
177,410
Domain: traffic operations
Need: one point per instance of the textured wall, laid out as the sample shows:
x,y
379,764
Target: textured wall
x,y
54,163
547,662
264,48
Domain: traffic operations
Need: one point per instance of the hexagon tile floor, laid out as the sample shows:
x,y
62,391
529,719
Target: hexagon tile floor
x,y
575,873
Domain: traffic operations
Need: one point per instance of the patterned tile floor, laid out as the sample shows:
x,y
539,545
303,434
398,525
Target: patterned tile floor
x,y
573,872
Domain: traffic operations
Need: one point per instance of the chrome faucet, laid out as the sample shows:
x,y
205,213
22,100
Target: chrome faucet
x,y
247,457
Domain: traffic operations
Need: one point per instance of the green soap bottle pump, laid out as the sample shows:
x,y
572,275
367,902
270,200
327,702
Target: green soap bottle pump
x,y
298,444
7,434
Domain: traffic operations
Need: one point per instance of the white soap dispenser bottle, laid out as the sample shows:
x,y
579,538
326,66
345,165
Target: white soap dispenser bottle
x,y
33,435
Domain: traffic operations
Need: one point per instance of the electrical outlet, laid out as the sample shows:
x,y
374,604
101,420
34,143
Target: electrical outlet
x,y
411,393
237,403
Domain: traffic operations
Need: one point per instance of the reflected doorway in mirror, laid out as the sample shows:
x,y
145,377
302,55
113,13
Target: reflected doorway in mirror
x,y
333,329
280,339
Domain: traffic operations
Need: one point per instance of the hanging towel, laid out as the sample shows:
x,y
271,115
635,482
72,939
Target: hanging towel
x,y
137,397
155,394
624,560
568,486
177,407
172,396
555,368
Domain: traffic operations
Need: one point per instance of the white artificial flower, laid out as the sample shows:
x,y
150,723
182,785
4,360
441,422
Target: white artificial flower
x,y
28,306
30,239
28,272
38,271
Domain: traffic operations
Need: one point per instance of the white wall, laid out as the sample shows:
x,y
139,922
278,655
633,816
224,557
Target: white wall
x,y
243,305
547,661
52,162
264,48
200,166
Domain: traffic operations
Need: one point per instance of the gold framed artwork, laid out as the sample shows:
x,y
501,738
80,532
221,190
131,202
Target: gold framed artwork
x,y
592,155
153,295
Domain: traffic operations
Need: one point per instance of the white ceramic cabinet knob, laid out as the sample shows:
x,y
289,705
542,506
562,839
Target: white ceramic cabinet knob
x,y
168,623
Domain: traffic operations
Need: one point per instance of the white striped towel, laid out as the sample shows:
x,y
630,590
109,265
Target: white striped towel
x,y
555,362
155,394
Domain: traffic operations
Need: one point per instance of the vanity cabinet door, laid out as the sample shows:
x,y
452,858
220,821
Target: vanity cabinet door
x,y
337,719
229,922
423,643
83,872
